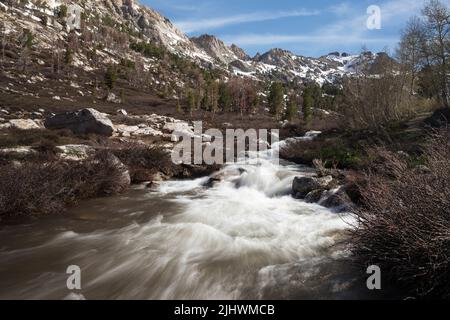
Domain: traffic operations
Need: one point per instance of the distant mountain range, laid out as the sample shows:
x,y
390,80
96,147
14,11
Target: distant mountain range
x,y
206,50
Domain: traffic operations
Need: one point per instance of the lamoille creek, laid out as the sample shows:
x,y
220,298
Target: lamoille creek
x,y
243,237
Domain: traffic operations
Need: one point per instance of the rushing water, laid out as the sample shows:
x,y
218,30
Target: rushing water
x,y
243,237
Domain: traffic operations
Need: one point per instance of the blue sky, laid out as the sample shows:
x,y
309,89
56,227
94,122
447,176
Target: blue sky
x,y
308,27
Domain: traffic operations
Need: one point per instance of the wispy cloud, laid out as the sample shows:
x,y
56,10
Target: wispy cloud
x,y
189,26
275,39
349,29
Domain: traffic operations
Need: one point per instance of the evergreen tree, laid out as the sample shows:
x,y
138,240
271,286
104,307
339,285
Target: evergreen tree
x,y
110,77
191,101
225,98
62,13
308,103
292,109
276,99
68,59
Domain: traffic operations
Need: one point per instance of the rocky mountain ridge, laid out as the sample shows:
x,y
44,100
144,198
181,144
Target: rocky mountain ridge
x,y
206,50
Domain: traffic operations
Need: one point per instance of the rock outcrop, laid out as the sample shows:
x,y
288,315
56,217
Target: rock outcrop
x,y
24,124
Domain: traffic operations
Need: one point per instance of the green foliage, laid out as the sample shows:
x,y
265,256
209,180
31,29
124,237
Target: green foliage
x,y
127,63
62,12
68,58
292,109
107,20
276,99
225,98
148,49
191,100
110,77
331,89
27,39
340,156
308,103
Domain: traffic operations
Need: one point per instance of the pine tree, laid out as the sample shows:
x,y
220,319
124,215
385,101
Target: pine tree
x,y
213,96
225,98
292,109
191,101
308,103
276,99
62,13
110,77
68,58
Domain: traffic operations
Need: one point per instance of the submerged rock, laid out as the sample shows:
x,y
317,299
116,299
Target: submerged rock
x,y
314,196
337,200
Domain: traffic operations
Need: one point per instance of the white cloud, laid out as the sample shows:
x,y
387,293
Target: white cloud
x,y
350,29
218,22
276,39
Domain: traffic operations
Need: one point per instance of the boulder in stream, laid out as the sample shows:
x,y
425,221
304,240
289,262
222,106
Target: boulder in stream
x,y
304,185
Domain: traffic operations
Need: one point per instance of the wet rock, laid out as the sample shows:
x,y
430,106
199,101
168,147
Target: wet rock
x,y
214,179
304,185
314,196
190,171
82,122
337,200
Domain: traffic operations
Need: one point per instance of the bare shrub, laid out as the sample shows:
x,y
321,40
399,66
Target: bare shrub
x,y
404,225
35,188
14,137
144,161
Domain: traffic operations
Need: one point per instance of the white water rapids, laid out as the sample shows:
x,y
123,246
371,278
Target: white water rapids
x,y
244,237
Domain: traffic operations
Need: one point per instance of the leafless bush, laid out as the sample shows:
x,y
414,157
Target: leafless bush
x,y
35,188
144,161
404,225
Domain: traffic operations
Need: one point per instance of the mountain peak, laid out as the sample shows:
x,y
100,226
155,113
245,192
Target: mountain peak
x,y
239,52
215,47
